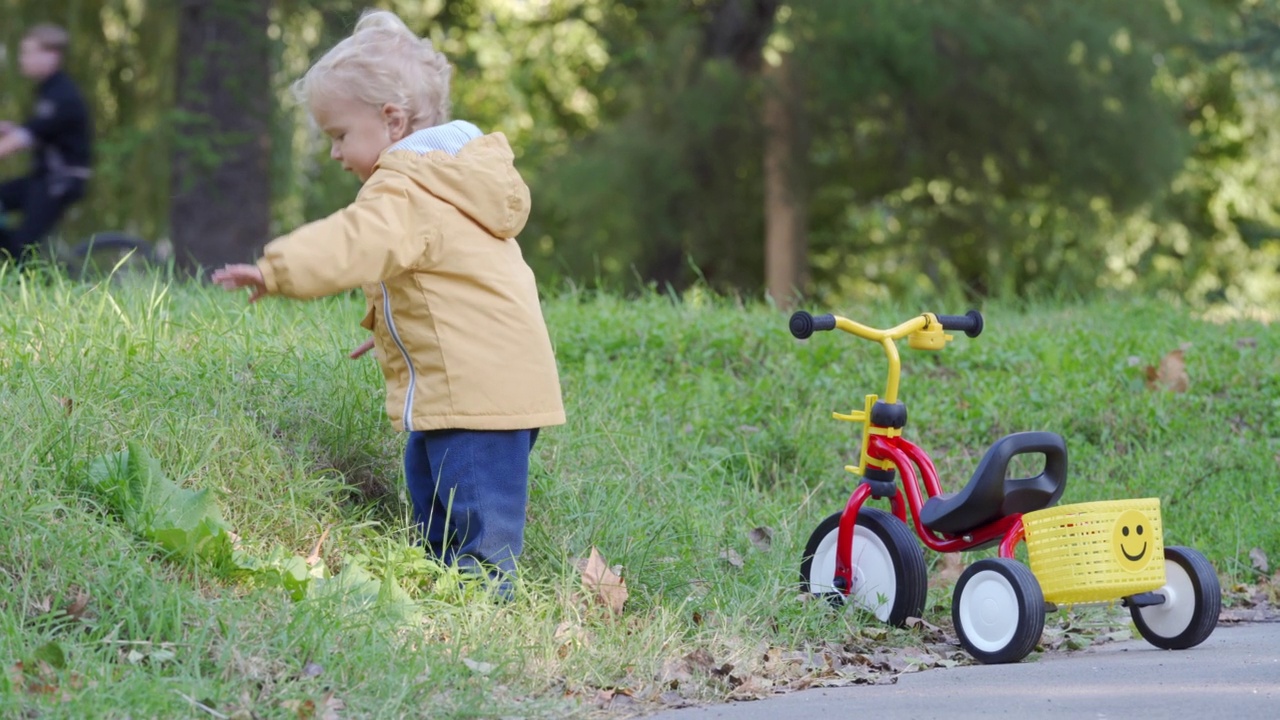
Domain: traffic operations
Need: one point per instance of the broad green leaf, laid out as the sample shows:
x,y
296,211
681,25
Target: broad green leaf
x,y
52,654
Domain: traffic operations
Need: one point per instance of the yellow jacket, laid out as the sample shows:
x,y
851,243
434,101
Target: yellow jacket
x,y
452,305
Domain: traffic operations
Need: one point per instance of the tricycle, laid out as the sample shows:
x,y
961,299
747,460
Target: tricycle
x,y
1080,553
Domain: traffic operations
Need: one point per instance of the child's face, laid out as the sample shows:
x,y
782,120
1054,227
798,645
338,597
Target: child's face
x,y
37,61
359,131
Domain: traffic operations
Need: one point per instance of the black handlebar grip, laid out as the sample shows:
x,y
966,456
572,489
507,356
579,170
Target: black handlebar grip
x,y
969,323
803,324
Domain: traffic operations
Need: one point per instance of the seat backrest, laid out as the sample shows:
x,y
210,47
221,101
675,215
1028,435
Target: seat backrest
x,y
1023,495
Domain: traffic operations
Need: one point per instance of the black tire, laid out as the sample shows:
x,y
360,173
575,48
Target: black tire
x,y
1193,599
998,610
101,254
890,579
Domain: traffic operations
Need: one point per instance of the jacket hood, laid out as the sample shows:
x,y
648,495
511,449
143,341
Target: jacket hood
x,y
481,181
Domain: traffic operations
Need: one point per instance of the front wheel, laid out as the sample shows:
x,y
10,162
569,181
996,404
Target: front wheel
x,y
1192,600
889,578
998,609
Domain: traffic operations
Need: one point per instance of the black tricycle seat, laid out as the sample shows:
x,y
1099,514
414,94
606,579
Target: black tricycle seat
x,y
990,495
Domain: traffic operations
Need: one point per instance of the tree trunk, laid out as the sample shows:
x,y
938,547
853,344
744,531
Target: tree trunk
x,y
220,207
786,264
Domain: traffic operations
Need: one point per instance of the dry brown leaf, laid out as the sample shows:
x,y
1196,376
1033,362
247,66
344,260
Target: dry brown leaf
x,y
314,557
732,557
602,584
79,603
914,622
1171,375
761,538
1259,559
675,671
603,698
304,709
753,687
330,705
701,660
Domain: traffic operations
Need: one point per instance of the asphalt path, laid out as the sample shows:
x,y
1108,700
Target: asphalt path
x,y
1234,674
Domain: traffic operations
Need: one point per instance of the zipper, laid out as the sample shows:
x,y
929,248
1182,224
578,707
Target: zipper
x,y
395,336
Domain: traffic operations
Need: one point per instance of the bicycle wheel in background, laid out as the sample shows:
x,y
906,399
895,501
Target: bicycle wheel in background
x,y
108,253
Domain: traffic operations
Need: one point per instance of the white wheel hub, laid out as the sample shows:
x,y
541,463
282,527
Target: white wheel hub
x,y
1170,618
874,584
989,611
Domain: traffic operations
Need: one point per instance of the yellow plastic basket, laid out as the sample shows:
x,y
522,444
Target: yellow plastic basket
x,y
1098,551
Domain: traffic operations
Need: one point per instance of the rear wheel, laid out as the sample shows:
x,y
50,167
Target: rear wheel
x,y
1192,601
998,610
889,577
108,253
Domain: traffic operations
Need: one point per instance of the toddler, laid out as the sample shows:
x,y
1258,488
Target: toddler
x,y
453,307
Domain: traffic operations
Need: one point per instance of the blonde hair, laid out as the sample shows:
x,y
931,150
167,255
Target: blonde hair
x,y
383,62
50,37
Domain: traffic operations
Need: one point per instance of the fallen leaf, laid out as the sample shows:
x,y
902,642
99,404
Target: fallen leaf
x,y
314,557
1259,559
915,622
330,704
732,557
674,672
603,698
51,653
752,688
1119,635
1171,375
605,586
761,538
79,603
304,709
701,660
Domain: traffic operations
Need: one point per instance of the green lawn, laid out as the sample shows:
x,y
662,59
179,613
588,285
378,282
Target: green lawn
x,y
692,424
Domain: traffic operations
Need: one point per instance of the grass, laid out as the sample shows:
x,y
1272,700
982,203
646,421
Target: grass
x,y
692,423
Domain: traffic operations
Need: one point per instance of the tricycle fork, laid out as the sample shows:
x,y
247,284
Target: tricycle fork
x,y
843,580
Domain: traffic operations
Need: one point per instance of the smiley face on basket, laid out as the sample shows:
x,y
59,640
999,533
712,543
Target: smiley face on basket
x,y
1133,540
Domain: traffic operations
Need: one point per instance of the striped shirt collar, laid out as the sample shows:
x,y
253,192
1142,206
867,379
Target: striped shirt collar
x,y
449,138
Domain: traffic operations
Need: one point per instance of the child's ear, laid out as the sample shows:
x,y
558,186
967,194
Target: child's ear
x,y
397,121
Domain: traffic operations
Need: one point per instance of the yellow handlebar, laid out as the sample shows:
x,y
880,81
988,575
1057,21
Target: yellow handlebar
x,y
888,340
924,332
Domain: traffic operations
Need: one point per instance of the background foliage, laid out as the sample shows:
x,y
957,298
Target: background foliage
x,y
1056,147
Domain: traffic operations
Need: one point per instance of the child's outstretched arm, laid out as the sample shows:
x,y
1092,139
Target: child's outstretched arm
x,y
233,277
368,241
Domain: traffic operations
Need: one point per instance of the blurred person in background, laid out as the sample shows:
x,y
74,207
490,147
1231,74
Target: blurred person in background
x,y
59,134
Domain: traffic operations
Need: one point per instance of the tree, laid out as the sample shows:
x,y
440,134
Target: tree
x,y
220,207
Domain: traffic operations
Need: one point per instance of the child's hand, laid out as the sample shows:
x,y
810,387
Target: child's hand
x,y
232,277
365,347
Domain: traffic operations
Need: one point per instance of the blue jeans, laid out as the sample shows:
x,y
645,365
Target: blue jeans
x,y
469,491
